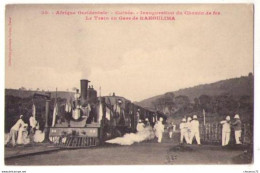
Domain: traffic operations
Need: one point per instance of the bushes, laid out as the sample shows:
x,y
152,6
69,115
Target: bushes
x,y
15,106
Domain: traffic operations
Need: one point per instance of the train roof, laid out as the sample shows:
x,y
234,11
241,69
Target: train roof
x,y
114,98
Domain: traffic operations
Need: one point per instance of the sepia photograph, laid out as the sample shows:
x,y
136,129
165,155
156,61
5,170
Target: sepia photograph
x,y
129,84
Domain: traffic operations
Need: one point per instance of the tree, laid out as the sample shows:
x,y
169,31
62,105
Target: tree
x,y
196,104
169,95
182,100
74,89
226,104
250,74
204,100
182,103
22,88
246,102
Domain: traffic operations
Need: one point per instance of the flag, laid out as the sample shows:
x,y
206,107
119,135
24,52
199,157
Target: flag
x,y
100,112
68,107
108,113
34,110
55,113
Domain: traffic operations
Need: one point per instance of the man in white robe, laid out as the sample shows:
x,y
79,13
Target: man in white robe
x,y
159,129
14,131
226,129
23,135
195,132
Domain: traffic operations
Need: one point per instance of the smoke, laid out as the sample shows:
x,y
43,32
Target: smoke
x,y
84,66
128,139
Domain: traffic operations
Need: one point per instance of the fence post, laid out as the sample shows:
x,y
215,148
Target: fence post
x,y
210,132
244,134
219,133
216,132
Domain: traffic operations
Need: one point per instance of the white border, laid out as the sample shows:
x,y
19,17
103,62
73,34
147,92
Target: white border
x,y
177,168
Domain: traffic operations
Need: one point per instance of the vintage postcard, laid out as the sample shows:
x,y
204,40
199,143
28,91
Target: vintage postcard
x,y
129,84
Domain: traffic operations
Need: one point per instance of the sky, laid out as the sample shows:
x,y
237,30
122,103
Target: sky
x,y
134,59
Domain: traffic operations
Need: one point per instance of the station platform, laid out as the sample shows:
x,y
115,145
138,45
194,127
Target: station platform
x,y
29,149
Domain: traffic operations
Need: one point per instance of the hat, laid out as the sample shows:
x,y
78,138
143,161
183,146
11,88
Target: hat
x,y
21,116
228,118
183,120
140,121
195,117
160,119
189,119
236,116
146,119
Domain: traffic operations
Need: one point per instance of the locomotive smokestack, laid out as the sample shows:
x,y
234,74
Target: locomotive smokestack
x,y
84,91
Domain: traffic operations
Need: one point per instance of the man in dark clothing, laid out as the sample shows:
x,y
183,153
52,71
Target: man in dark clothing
x,y
147,123
237,128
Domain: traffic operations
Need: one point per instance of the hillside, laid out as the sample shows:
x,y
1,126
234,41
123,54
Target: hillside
x,y
237,87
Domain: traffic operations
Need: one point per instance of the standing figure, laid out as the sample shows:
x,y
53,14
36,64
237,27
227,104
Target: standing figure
x,y
237,128
140,126
14,131
147,123
171,129
77,105
225,131
138,115
195,131
38,135
23,135
159,129
189,130
33,124
184,131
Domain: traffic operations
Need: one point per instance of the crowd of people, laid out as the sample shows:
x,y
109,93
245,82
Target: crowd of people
x,y
21,133
189,129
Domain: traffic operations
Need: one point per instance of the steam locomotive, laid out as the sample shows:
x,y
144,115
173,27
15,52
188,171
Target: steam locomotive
x,y
93,119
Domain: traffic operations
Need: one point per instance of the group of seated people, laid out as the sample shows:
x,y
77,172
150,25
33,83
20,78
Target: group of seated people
x,y
21,133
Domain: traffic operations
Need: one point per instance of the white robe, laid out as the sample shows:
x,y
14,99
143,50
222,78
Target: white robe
x,y
39,136
159,129
23,136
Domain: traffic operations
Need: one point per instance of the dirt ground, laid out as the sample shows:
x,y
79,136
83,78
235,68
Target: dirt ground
x,y
168,152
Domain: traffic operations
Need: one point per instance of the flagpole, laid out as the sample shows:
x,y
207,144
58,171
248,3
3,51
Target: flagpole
x,y
56,96
100,92
100,107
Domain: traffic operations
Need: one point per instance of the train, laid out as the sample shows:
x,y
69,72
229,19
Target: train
x,y
93,119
